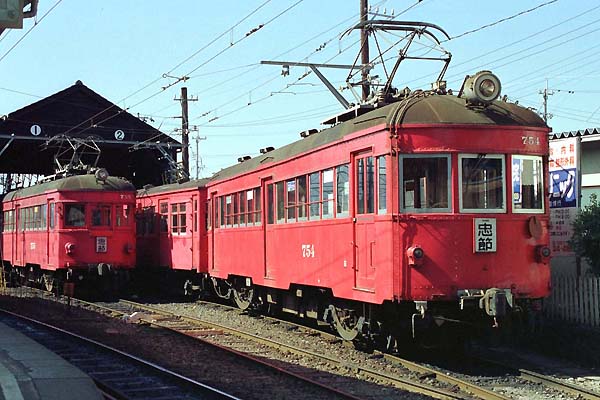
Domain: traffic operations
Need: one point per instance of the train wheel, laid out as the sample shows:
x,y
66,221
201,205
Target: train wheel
x,y
346,323
222,288
242,297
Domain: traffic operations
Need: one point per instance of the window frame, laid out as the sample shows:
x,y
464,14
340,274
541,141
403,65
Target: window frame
x,y
461,209
427,210
543,186
85,216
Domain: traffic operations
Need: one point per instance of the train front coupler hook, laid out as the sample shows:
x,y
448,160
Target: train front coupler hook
x,y
421,308
495,301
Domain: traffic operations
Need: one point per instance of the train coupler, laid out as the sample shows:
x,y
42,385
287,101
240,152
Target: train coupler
x,y
493,301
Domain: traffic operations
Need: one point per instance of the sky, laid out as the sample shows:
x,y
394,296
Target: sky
x,y
133,52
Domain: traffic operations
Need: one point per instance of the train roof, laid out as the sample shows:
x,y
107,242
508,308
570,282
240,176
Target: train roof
x,y
193,184
414,110
73,183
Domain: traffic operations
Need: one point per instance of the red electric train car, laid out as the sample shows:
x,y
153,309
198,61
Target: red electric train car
x,y
419,213
414,215
171,233
76,229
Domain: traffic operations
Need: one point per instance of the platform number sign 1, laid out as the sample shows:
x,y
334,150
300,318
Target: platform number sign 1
x,y
484,235
308,250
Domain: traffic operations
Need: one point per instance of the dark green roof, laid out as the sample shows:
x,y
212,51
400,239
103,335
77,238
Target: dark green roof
x,y
419,110
193,184
77,182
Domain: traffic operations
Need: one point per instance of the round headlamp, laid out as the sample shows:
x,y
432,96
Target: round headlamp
x,y
481,88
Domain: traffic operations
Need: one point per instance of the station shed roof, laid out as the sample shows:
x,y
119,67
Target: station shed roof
x,y
79,112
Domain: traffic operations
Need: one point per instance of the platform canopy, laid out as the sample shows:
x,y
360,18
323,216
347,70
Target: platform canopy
x,y
79,113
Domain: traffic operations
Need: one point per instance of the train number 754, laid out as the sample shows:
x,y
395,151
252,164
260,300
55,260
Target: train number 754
x,y
531,140
308,250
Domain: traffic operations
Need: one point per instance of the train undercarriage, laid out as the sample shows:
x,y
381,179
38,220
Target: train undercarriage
x,y
92,280
393,325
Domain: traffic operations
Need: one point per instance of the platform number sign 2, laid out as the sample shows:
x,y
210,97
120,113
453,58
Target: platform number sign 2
x,y
308,250
484,235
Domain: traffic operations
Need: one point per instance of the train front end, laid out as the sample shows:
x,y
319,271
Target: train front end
x,y
95,246
472,231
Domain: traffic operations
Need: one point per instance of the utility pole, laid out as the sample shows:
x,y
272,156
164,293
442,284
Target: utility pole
x,y
364,40
545,93
185,133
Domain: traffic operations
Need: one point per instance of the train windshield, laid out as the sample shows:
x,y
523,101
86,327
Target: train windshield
x,y
74,215
101,216
481,181
527,184
425,183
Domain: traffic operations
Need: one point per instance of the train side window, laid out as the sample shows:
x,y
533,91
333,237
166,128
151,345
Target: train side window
x,y
74,215
257,207
9,221
242,207
270,204
527,184
328,193
248,197
365,185
314,182
164,217
291,200
52,215
178,218
301,204
425,183
482,183
229,211
44,216
381,185
343,190
123,212
208,214
280,193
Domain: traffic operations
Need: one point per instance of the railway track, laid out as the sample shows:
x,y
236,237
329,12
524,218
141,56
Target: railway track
x,y
229,337
118,375
446,383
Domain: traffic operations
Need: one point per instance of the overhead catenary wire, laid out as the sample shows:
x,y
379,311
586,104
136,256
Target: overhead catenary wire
x,y
193,70
35,24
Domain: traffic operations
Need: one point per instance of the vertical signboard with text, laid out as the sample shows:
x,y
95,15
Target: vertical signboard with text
x,y
564,193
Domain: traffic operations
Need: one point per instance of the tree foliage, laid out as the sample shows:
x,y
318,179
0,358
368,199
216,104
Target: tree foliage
x,y
586,237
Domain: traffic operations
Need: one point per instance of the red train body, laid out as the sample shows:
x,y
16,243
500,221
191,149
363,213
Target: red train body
x,y
171,221
73,229
426,210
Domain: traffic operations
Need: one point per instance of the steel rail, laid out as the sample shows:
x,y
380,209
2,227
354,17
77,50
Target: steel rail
x,y
103,386
402,383
466,386
190,335
548,381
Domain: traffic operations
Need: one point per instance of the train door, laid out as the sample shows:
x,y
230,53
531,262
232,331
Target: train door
x,y
268,193
48,227
364,220
196,230
217,211
19,242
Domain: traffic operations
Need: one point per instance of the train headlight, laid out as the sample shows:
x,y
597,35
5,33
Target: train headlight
x,y
542,254
415,255
101,174
481,88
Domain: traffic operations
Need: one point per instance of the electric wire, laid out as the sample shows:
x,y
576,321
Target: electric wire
x,y
36,23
